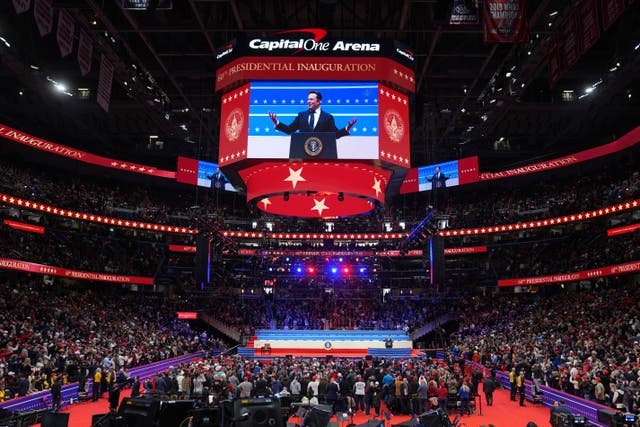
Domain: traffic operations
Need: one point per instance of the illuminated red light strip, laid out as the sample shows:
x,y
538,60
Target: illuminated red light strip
x,y
629,267
13,264
465,250
182,248
622,230
449,233
24,227
314,236
187,314
16,201
543,222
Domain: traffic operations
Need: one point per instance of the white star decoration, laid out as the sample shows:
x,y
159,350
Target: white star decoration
x,y
319,206
376,186
294,177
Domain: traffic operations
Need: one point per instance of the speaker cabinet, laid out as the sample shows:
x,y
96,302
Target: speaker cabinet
x,y
55,419
430,419
139,411
318,416
372,423
173,412
409,423
261,412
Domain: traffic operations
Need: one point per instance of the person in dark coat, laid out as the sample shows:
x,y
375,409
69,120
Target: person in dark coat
x,y
488,387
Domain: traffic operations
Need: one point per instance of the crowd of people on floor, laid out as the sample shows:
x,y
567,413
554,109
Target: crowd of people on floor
x,y
368,386
56,332
585,343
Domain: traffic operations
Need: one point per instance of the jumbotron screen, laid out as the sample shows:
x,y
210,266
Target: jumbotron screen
x,y
343,100
381,130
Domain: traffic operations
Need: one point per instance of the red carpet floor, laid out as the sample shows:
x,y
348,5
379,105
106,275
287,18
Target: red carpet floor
x,y
503,413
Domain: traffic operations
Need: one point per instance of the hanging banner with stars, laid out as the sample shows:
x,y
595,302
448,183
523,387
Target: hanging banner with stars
x,y
315,189
393,122
234,121
75,154
31,267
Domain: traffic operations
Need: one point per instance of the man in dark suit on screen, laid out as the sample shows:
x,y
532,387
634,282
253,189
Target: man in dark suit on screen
x,y
313,119
438,179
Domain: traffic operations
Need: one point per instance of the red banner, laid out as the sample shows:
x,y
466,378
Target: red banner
x,y
85,53
21,6
64,35
43,13
187,171
72,153
105,79
393,125
629,267
391,253
589,27
234,126
24,227
505,21
12,264
188,315
314,68
554,62
570,44
611,11
254,252
465,250
182,248
625,141
623,230
468,170
83,216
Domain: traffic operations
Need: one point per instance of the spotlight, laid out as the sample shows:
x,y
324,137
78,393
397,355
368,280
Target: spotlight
x,y
286,196
341,197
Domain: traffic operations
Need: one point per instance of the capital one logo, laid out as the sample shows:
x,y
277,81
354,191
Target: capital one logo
x,y
314,43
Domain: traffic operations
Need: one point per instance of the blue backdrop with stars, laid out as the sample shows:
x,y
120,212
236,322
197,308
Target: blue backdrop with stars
x,y
344,100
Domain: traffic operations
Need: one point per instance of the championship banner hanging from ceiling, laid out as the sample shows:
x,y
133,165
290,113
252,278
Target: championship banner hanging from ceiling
x,y
21,6
505,21
43,14
66,30
464,12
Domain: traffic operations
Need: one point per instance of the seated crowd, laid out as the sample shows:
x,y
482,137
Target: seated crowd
x,y
586,343
69,331
575,190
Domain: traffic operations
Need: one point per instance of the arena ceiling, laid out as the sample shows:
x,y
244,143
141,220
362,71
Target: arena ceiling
x,y
473,98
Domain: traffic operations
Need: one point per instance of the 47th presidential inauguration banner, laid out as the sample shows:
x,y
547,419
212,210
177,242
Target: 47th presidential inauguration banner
x,y
505,21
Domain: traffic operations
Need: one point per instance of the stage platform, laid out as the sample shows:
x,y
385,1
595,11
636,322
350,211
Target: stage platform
x,y
336,343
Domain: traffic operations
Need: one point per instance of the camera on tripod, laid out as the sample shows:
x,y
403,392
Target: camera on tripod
x,y
570,420
624,420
